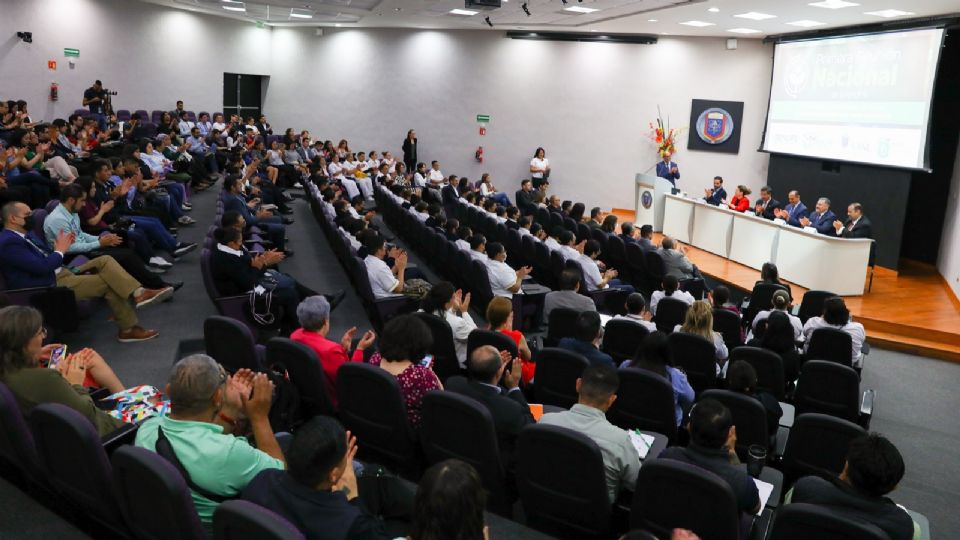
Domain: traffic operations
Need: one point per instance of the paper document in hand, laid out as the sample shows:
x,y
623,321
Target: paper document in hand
x,y
642,442
764,490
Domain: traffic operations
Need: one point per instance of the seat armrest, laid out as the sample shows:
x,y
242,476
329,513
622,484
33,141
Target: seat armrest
x,y
122,436
866,407
761,525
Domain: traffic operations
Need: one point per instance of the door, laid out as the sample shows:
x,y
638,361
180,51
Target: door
x,y
241,95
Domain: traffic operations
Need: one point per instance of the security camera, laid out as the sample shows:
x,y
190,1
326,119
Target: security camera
x,y
27,37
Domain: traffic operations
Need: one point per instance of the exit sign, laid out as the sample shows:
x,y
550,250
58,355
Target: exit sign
x,y
483,118
71,52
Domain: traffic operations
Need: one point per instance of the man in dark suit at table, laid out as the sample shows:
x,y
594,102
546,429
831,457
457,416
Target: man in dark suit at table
x,y
668,169
766,204
822,219
856,226
508,408
716,195
794,210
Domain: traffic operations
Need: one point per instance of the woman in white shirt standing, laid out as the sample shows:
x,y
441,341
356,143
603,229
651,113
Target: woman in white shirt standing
x,y
539,167
836,315
453,306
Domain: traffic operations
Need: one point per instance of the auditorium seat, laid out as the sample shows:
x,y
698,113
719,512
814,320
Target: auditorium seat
x,y
479,338
831,344
696,356
305,372
749,417
231,344
556,378
244,520
616,257
18,452
144,115
728,324
769,368
830,388
817,445
812,304
458,427
622,339
645,402
560,324
670,313
123,115
156,116
562,482
444,350
759,300
800,521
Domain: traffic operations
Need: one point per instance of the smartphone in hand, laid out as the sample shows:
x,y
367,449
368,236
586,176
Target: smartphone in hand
x,y
56,356
427,361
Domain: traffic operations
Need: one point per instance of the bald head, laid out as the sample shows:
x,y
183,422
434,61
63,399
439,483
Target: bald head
x,y
484,364
13,215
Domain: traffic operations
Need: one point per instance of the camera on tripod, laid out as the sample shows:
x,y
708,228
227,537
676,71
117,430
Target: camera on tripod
x,y
109,92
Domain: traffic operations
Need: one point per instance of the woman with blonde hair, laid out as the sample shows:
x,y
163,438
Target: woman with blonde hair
x,y
500,317
699,322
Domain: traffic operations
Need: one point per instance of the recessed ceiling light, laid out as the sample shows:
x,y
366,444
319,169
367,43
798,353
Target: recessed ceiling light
x,y
714,10
664,33
806,23
234,6
833,4
754,16
462,12
743,31
593,30
698,24
651,20
580,9
888,13
337,25
300,13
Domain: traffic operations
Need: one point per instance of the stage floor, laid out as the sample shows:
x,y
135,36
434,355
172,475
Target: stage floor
x,y
912,310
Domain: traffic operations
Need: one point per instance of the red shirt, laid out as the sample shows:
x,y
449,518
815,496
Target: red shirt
x,y
740,205
527,368
331,355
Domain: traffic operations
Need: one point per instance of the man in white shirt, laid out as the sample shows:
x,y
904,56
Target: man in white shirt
x,y
435,177
568,249
336,173
478,248
185,125
504,281
551,240
463,237
779,302
637,312
384,281
836,315
670,289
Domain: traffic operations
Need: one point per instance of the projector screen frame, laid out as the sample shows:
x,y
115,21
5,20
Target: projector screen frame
x,y
945,24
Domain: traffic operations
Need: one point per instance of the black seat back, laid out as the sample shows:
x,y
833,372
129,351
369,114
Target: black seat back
x,y
749,416
373,409
812,304
306,374
17,447
244,520
501,342
817,445
728,324
670,312
574,504
622,338
666,492
556,378
645,402
828,388
801,521
831,344
443,349
769,368
230,343
560,324
697,357
760,299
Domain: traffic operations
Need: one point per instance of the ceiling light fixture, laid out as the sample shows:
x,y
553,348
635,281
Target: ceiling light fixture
x,y
754,16
463,12
296,13
580,9
487,20
651,20
714,10
833,4
888,13
698,24
525,9
743,31
806,23
234,6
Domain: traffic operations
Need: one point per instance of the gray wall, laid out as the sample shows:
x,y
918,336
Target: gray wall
x,y
949,261
588,104
151,54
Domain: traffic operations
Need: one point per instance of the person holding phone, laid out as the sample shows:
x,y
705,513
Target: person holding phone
x,y
403,344
22,369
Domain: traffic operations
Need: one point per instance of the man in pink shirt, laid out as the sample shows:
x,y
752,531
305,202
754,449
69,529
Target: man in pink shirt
x,y
314,316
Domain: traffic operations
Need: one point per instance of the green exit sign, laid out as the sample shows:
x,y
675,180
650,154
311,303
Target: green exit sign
x,y
483,118
71,52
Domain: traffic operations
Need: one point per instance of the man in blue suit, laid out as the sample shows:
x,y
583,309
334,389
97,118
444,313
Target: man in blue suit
x,y
716,195
668,169
264,219
794,210
821,220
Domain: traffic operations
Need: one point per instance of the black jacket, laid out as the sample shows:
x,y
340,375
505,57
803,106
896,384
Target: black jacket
x,y
233,275
863,229
525,201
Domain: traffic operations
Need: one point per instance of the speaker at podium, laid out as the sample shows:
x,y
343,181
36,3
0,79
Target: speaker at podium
x,y
650,191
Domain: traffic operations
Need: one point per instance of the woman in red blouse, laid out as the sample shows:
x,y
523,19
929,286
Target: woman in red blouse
x,y
740,202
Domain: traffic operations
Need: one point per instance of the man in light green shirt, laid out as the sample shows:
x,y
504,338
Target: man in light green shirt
x,y
597,388
202,398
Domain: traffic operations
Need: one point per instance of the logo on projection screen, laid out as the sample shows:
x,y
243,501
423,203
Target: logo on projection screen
x,y
715,125
795,78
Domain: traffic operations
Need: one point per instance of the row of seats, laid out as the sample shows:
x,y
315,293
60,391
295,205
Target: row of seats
x,y
154,117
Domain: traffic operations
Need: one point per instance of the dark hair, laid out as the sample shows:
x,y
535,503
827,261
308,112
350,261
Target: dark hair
x,y
721,295
18,325
494,249
835,311
451,225
566,237
483,365
225,235
535,228
720,178
670,284
538,150
741,377
598,382
594,212
587,326
71,191
464,232
569,278
653,354
318,446
766,189
99,164
373,244
405,338
626,228
769,273
477,240
874,465
635,303
576,212
524,182
437,297
85,182
710,423
513,211
565,205
609,223
667,243
591,247
646,230
449,503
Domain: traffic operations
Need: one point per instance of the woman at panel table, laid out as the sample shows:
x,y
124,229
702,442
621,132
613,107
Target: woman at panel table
x,y
740,202
539,167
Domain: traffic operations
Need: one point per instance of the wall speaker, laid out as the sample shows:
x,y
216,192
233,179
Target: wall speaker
x,y
731,44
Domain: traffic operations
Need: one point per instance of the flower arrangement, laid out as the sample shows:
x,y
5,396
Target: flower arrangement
x,y
662,135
